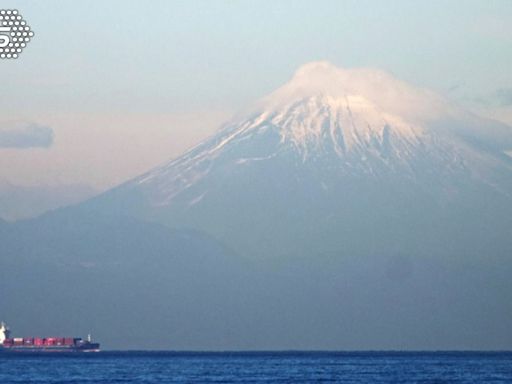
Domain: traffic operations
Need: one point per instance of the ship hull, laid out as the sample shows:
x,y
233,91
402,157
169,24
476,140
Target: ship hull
x,y
92,347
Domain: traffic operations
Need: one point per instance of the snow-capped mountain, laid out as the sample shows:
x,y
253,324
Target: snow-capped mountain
x,y
347,209
332,153
357,123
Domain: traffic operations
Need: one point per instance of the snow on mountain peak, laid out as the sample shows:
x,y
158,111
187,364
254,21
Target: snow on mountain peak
x,y
342,123
346,109
375,87
358,120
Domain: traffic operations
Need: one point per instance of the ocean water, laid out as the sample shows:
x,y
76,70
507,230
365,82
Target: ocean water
x,y
259,367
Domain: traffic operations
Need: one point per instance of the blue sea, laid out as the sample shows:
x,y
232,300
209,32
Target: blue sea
x,y
259,367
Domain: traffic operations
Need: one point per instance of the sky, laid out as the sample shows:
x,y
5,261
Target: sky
x,y
109,89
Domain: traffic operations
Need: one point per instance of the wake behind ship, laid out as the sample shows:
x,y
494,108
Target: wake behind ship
x,y
44,344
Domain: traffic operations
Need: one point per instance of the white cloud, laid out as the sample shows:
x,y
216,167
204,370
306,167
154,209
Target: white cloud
x,y
378,87
22,135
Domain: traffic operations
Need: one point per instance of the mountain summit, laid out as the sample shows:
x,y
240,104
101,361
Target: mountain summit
x,y
356,122
346,210
371,87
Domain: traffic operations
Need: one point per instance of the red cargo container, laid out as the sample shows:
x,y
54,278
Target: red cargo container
x,y
8,342
68,341
38,341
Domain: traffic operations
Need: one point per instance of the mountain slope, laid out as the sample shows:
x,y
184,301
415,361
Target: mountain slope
x,y
23,202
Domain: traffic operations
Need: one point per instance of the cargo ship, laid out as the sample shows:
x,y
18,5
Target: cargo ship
x,y
44,344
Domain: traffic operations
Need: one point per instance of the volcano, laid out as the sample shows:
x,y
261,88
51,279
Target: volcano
x,y
333,157
345,210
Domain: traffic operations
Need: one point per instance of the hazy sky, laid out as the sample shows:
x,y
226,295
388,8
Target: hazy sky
x,y
108,89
